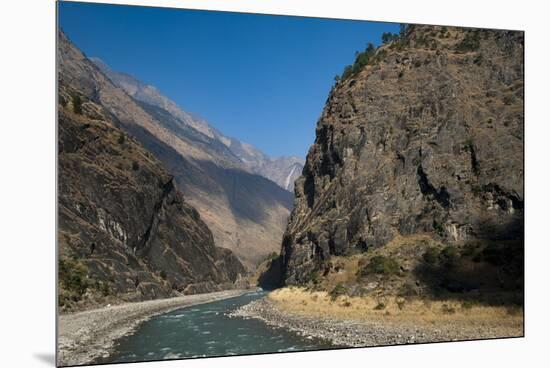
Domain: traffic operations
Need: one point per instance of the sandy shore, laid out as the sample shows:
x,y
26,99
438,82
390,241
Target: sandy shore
x,y
378,332
88,335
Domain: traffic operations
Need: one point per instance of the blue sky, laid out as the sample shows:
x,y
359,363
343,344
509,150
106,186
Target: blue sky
x,y
259,78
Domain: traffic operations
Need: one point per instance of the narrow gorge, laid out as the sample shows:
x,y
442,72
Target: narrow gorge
x,y
404,224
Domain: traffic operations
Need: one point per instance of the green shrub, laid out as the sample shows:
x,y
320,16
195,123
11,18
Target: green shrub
x,y
347,72
450,256
77,104
361,60
382,265
403,29
470,42
469,250
388,37
467,305
509,99
439,229
380,306
121,139
313,277
73,278
104,288
338,290
431,255
370,56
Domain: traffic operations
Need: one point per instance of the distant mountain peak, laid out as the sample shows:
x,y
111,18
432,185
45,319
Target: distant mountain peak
x,y
281,170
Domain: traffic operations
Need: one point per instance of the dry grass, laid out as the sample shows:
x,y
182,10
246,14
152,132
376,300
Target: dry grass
x,y
407,250
482,282
395,309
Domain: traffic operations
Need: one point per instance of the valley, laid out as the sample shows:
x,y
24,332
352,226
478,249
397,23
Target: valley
x,y
404,224
408,217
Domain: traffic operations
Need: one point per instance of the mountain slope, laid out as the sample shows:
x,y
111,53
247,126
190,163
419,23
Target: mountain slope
x,y
245,212
427,138
282,170
152,96
125,231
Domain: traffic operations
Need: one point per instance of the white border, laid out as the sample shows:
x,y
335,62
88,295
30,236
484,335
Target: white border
x,y
28,163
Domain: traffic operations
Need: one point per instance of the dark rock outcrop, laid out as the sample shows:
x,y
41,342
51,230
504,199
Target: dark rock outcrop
x,y
426,138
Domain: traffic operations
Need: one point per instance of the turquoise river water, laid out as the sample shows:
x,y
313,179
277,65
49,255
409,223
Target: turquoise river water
x,y
206,331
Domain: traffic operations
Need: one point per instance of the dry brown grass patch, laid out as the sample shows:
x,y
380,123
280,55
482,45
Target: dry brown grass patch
x,y
393,309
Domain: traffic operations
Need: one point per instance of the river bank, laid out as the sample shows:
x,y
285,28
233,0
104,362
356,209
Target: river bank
x,y
89,335
376,329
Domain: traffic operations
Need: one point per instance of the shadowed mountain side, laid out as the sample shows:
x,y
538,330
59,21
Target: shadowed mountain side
x,y
125,231
237,183
248,194
271,274
193,136
246,212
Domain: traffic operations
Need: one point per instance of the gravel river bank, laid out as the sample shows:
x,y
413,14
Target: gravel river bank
x,y
351,333
86,336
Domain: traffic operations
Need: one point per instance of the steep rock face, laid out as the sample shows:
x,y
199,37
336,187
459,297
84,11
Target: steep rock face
x,y
125,230
426,138
246,213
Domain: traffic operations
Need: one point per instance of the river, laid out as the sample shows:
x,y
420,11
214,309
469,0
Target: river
x,y
206,331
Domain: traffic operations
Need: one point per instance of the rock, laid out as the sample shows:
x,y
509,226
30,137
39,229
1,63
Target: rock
x,y
428,151
116,195
371,285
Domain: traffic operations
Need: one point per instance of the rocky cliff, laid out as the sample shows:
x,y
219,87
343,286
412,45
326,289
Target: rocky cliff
x,y
125,231
424,138
246,212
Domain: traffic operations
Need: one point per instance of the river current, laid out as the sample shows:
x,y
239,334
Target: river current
x,y
206,331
